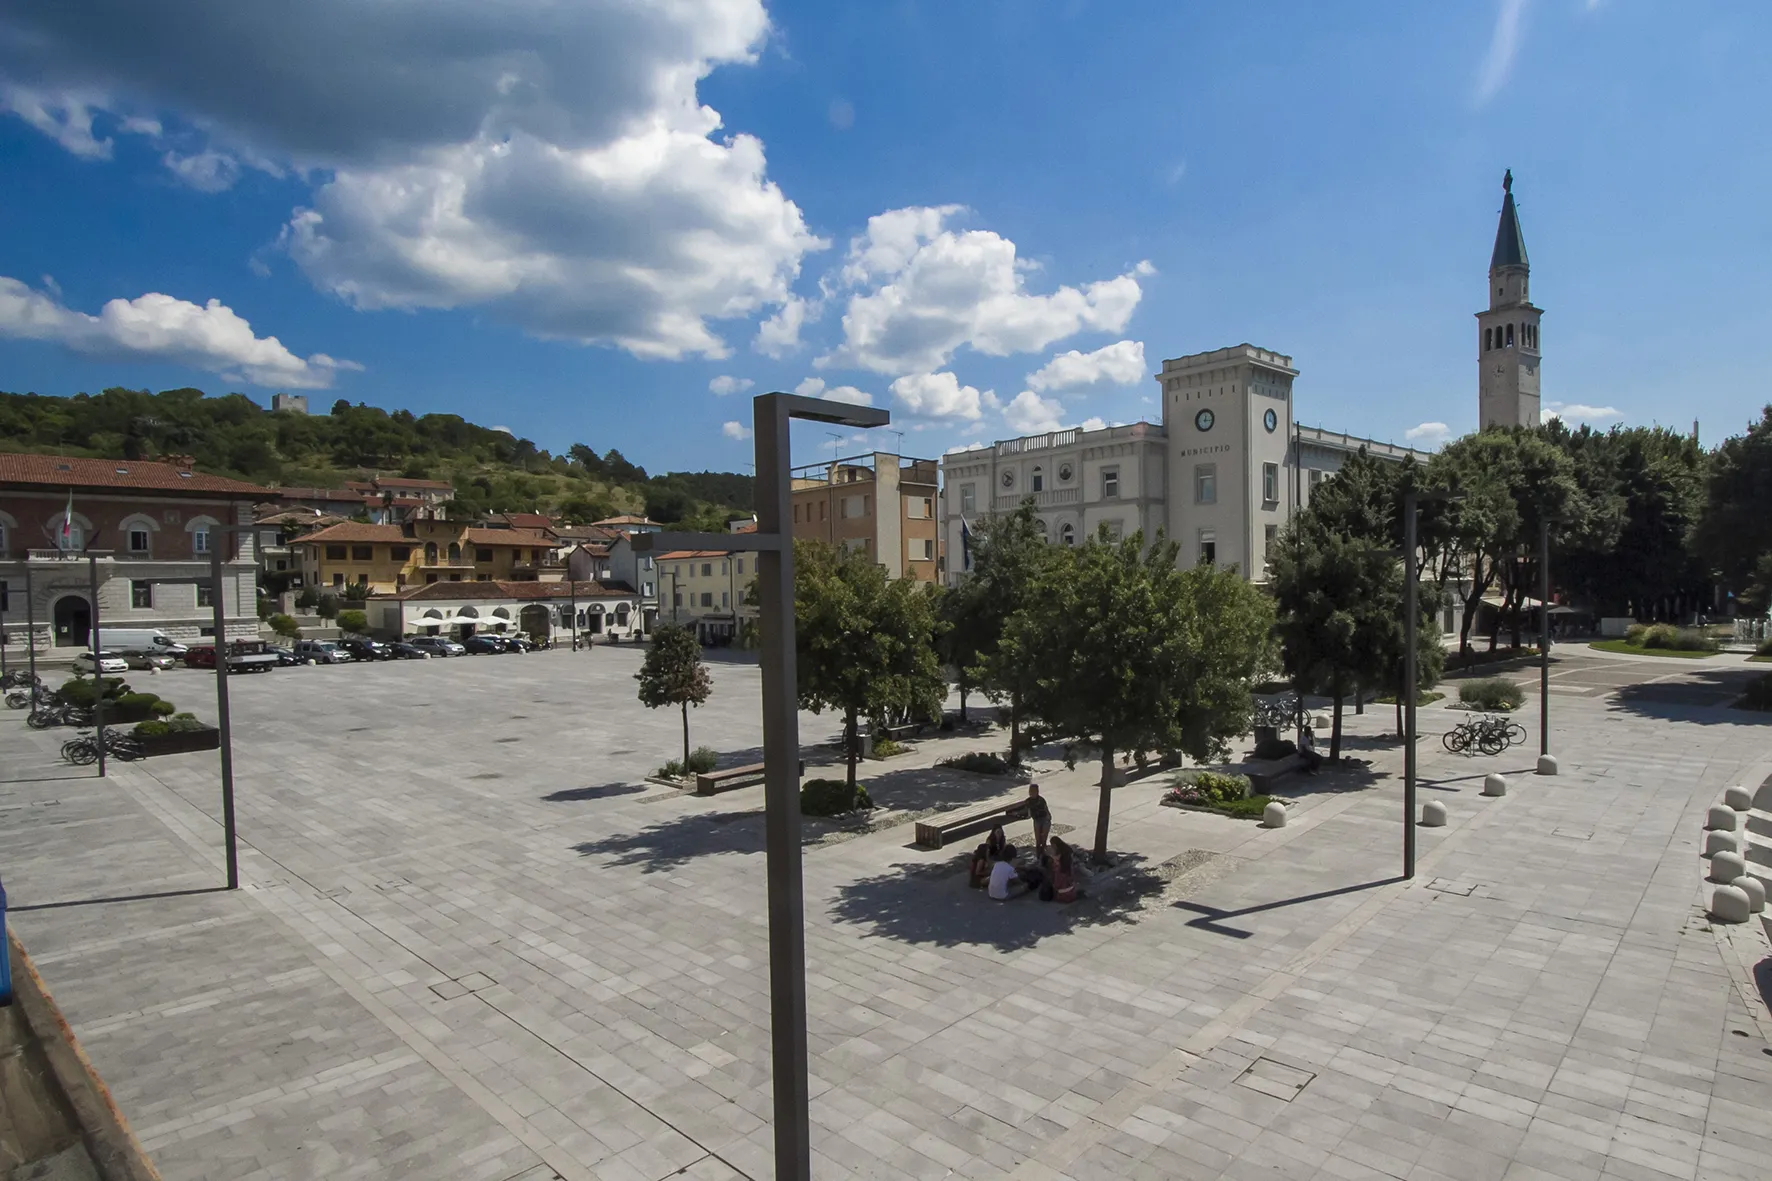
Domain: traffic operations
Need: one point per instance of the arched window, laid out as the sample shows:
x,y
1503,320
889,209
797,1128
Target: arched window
x,y
1039,479
454,553
1488,339
1510,338
1067,533
430,553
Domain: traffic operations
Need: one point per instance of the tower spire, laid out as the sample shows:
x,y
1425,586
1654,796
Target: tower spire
x,y
1510,243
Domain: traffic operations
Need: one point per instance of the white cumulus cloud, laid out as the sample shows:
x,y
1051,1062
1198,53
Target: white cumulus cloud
x,y
1093,424
160,328
1120,363
549,163
923,291
814,387
1428,434
779,335
1579,412
727,384
206,171
941,395
1030,414
735,430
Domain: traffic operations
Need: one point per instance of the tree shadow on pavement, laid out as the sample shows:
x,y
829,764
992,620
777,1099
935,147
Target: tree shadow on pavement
x,y
922,905
659,848
1332,779
1704,697
600,791
914,789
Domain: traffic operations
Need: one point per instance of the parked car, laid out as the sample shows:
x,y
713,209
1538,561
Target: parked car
x,y
407,651
519,642
437,645
364,648
149,660
321,651
129,640
107,661
286,658
483,645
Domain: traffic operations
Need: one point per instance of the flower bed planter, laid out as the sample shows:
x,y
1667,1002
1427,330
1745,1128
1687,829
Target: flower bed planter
x,y
181,742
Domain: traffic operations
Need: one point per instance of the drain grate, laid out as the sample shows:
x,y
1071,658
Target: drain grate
x,y
1275,1078
1452,886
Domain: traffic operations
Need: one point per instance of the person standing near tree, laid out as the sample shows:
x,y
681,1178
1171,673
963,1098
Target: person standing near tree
x,y
1041,815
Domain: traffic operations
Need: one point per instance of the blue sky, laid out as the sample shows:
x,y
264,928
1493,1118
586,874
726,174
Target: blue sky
x,y
580,221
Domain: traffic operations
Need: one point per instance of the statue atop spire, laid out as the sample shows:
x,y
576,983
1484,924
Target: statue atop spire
x,y
1507,181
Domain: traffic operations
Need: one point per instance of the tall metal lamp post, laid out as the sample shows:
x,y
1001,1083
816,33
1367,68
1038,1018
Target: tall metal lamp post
x,y
1547,764
218,605
773,543
1411,624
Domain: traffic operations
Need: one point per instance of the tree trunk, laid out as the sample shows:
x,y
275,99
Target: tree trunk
x,y
1015,729
1335,728
1400,733
962,703
1105,806
1359,698
850,744
685,737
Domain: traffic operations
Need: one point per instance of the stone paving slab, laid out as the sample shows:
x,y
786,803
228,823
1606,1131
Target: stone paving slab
x,y
475,943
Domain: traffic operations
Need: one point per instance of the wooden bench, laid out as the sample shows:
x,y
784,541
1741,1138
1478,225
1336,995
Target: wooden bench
x,y
708,783
935,834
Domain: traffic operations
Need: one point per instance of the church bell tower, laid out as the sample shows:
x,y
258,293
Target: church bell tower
x,y
1507,333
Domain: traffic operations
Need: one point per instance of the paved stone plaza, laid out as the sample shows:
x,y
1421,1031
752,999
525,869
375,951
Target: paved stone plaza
x,y
475,942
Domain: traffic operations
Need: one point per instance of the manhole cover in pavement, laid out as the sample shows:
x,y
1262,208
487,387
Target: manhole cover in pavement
x,y
1275,1078
1573,834
1452,886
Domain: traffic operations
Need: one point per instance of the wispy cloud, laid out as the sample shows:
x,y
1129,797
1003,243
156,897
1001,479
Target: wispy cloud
x,y
1504,46
1579,412
735,430
1429,434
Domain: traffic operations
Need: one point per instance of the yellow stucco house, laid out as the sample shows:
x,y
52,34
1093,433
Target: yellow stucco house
x,y
390,558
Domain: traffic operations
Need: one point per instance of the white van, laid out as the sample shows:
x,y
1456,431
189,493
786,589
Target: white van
x,y
127,640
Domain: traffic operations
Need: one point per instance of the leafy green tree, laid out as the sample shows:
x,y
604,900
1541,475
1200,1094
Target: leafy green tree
x,y
354,621
864,643
327,607
1011,560
959,613
1734,532
285,626
307,598
673,674
1129,653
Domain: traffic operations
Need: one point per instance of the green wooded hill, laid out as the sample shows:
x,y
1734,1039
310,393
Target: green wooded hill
x,y
492,471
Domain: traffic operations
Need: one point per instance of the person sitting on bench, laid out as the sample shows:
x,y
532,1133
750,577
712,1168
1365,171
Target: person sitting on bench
x,y
995,846
1307,750
1062,876
1005,881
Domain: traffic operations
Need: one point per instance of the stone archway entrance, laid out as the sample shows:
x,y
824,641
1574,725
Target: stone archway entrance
x,y
71,618
533,620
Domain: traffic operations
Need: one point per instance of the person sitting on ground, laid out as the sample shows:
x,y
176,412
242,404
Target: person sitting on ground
x,y
1005,881
995,846
1063,879
1307,750
1041,815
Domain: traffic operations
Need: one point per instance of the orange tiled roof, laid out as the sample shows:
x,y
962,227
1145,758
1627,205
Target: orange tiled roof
x,y
500,589
517,537
71,472
625,519
681,554
358,531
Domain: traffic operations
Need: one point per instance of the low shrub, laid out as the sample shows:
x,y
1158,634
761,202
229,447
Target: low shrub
x,y
285,626
1492,693
885,748
671,770
1680,639
1758,695
1228,794
128,703
979,762
1423,697
182,723
1275,748
354,621
702,760
81,692
1635,632
832,797
151,729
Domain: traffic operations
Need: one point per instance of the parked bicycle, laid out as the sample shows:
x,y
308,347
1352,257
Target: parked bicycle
x,y
1488,734
83,750
18,698
1278,714
18,678
55,710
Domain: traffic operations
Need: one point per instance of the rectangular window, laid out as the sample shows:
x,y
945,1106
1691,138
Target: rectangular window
x,y
1316,478
676,598
200,541
400,553
1270,483
1205,483
138,541
707,569
362,553
929,549
205,595
338,580
1268,536
821,508
646,589
334,553
482,555
968,498
1208,547
741,565
141,594
928,508
725,566
707,598
1110,483
725,598
796,514
455,578
482,577
429,578
1039,480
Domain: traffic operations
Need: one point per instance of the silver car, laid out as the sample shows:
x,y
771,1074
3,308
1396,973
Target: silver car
x,y
148,660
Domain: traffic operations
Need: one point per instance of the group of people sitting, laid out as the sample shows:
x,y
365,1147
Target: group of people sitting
x,y
1053,874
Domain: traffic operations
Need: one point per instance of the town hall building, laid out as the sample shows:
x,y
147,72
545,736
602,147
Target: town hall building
x,y
1228,465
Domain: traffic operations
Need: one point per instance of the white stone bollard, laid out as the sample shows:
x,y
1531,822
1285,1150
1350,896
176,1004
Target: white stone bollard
x,y
1547,764
1722,818
1728,904
1721,842
1726,867
1755,890
1433,814
1738,798
1274,815
1494,784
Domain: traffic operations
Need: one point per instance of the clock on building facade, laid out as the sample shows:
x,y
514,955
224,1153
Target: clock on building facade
x,y
1204,420
1270,420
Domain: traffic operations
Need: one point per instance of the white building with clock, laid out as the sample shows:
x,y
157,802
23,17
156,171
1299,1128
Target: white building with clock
x,y
1228,464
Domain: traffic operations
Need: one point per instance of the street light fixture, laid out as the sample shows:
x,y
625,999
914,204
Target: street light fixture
x,y
773,543
1546,764
1411,623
